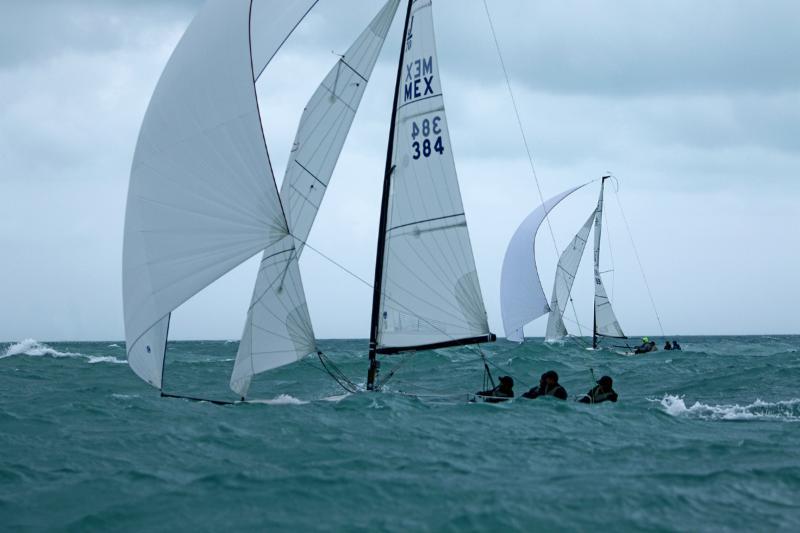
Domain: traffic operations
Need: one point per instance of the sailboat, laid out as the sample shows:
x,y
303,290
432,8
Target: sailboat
x,y
521,293
203,197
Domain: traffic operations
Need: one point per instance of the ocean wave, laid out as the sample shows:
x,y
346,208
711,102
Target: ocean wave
x,y
788,410
105,359
281,399
34,348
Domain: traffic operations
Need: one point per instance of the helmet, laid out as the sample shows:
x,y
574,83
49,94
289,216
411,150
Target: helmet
x,y
645,339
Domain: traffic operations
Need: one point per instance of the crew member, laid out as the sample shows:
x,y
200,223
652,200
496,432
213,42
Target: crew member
x,y
548,386
500,393
602,392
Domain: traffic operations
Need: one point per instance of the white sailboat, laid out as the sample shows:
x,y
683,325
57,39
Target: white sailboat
x,y
522,296
203,197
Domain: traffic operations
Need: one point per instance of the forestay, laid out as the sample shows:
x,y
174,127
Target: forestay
x,y
429,290
522,297
566,269
605,322
202,198
278,329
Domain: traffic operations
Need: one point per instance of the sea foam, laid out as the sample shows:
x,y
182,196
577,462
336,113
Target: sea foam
x,y
281,399
788,410
34,348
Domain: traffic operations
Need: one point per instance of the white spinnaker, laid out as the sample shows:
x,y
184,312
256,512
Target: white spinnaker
x,y
429,292
567,267
278,328
202,198
325,123
522,298
272,21
605,322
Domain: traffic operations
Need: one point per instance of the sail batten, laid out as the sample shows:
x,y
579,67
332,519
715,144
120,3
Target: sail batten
x,y
427,292
202,197
278,328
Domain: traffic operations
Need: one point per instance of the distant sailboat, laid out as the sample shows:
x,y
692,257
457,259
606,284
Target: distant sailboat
x,y
203,198
522,296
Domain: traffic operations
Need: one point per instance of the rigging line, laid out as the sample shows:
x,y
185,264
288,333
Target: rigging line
x,y
338,376
639,261
610,253
368,284
397,367
525,141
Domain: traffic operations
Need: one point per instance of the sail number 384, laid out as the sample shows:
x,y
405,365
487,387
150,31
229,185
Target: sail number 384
x,y
430,137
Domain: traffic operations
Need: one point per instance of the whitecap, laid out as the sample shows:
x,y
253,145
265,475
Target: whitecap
x,y
105,359
281,399
35,348
113,345
788,410
336,398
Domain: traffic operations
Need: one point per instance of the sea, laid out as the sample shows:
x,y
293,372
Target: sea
x,y
705,439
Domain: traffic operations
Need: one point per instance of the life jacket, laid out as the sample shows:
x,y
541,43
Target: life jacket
x,y
596,395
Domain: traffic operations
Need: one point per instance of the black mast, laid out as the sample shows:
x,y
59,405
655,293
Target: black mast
x,y
376,291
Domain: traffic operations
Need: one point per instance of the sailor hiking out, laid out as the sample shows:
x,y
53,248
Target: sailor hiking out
x,y
602,392
501,393
548,386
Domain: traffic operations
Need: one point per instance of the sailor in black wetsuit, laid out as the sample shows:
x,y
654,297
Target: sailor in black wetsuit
x,y
548,386
668,346
675,345
601,393
501,393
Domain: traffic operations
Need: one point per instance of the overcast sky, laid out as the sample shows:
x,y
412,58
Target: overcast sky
x,y
694,106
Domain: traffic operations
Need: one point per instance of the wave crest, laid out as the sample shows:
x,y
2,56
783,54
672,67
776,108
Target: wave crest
x,y
788,410
34,348
281,399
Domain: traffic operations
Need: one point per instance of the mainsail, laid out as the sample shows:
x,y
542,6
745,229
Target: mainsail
x,y
278,329
426,291
522,298
202,197
565,276
605,322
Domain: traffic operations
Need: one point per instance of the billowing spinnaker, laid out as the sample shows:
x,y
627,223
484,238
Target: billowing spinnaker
x,y
202,198
278,329
605,323
271,22
522,298
567,267
429,294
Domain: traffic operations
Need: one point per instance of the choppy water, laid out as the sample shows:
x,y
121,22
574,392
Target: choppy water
x,y
704,439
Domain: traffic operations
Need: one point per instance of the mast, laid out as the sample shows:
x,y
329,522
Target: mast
x,y
376,291
597,264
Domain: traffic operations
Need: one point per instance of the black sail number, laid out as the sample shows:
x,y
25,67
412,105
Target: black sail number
x,y
430,133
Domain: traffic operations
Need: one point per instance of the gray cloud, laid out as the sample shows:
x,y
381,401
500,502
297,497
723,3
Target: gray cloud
x,y
693,105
